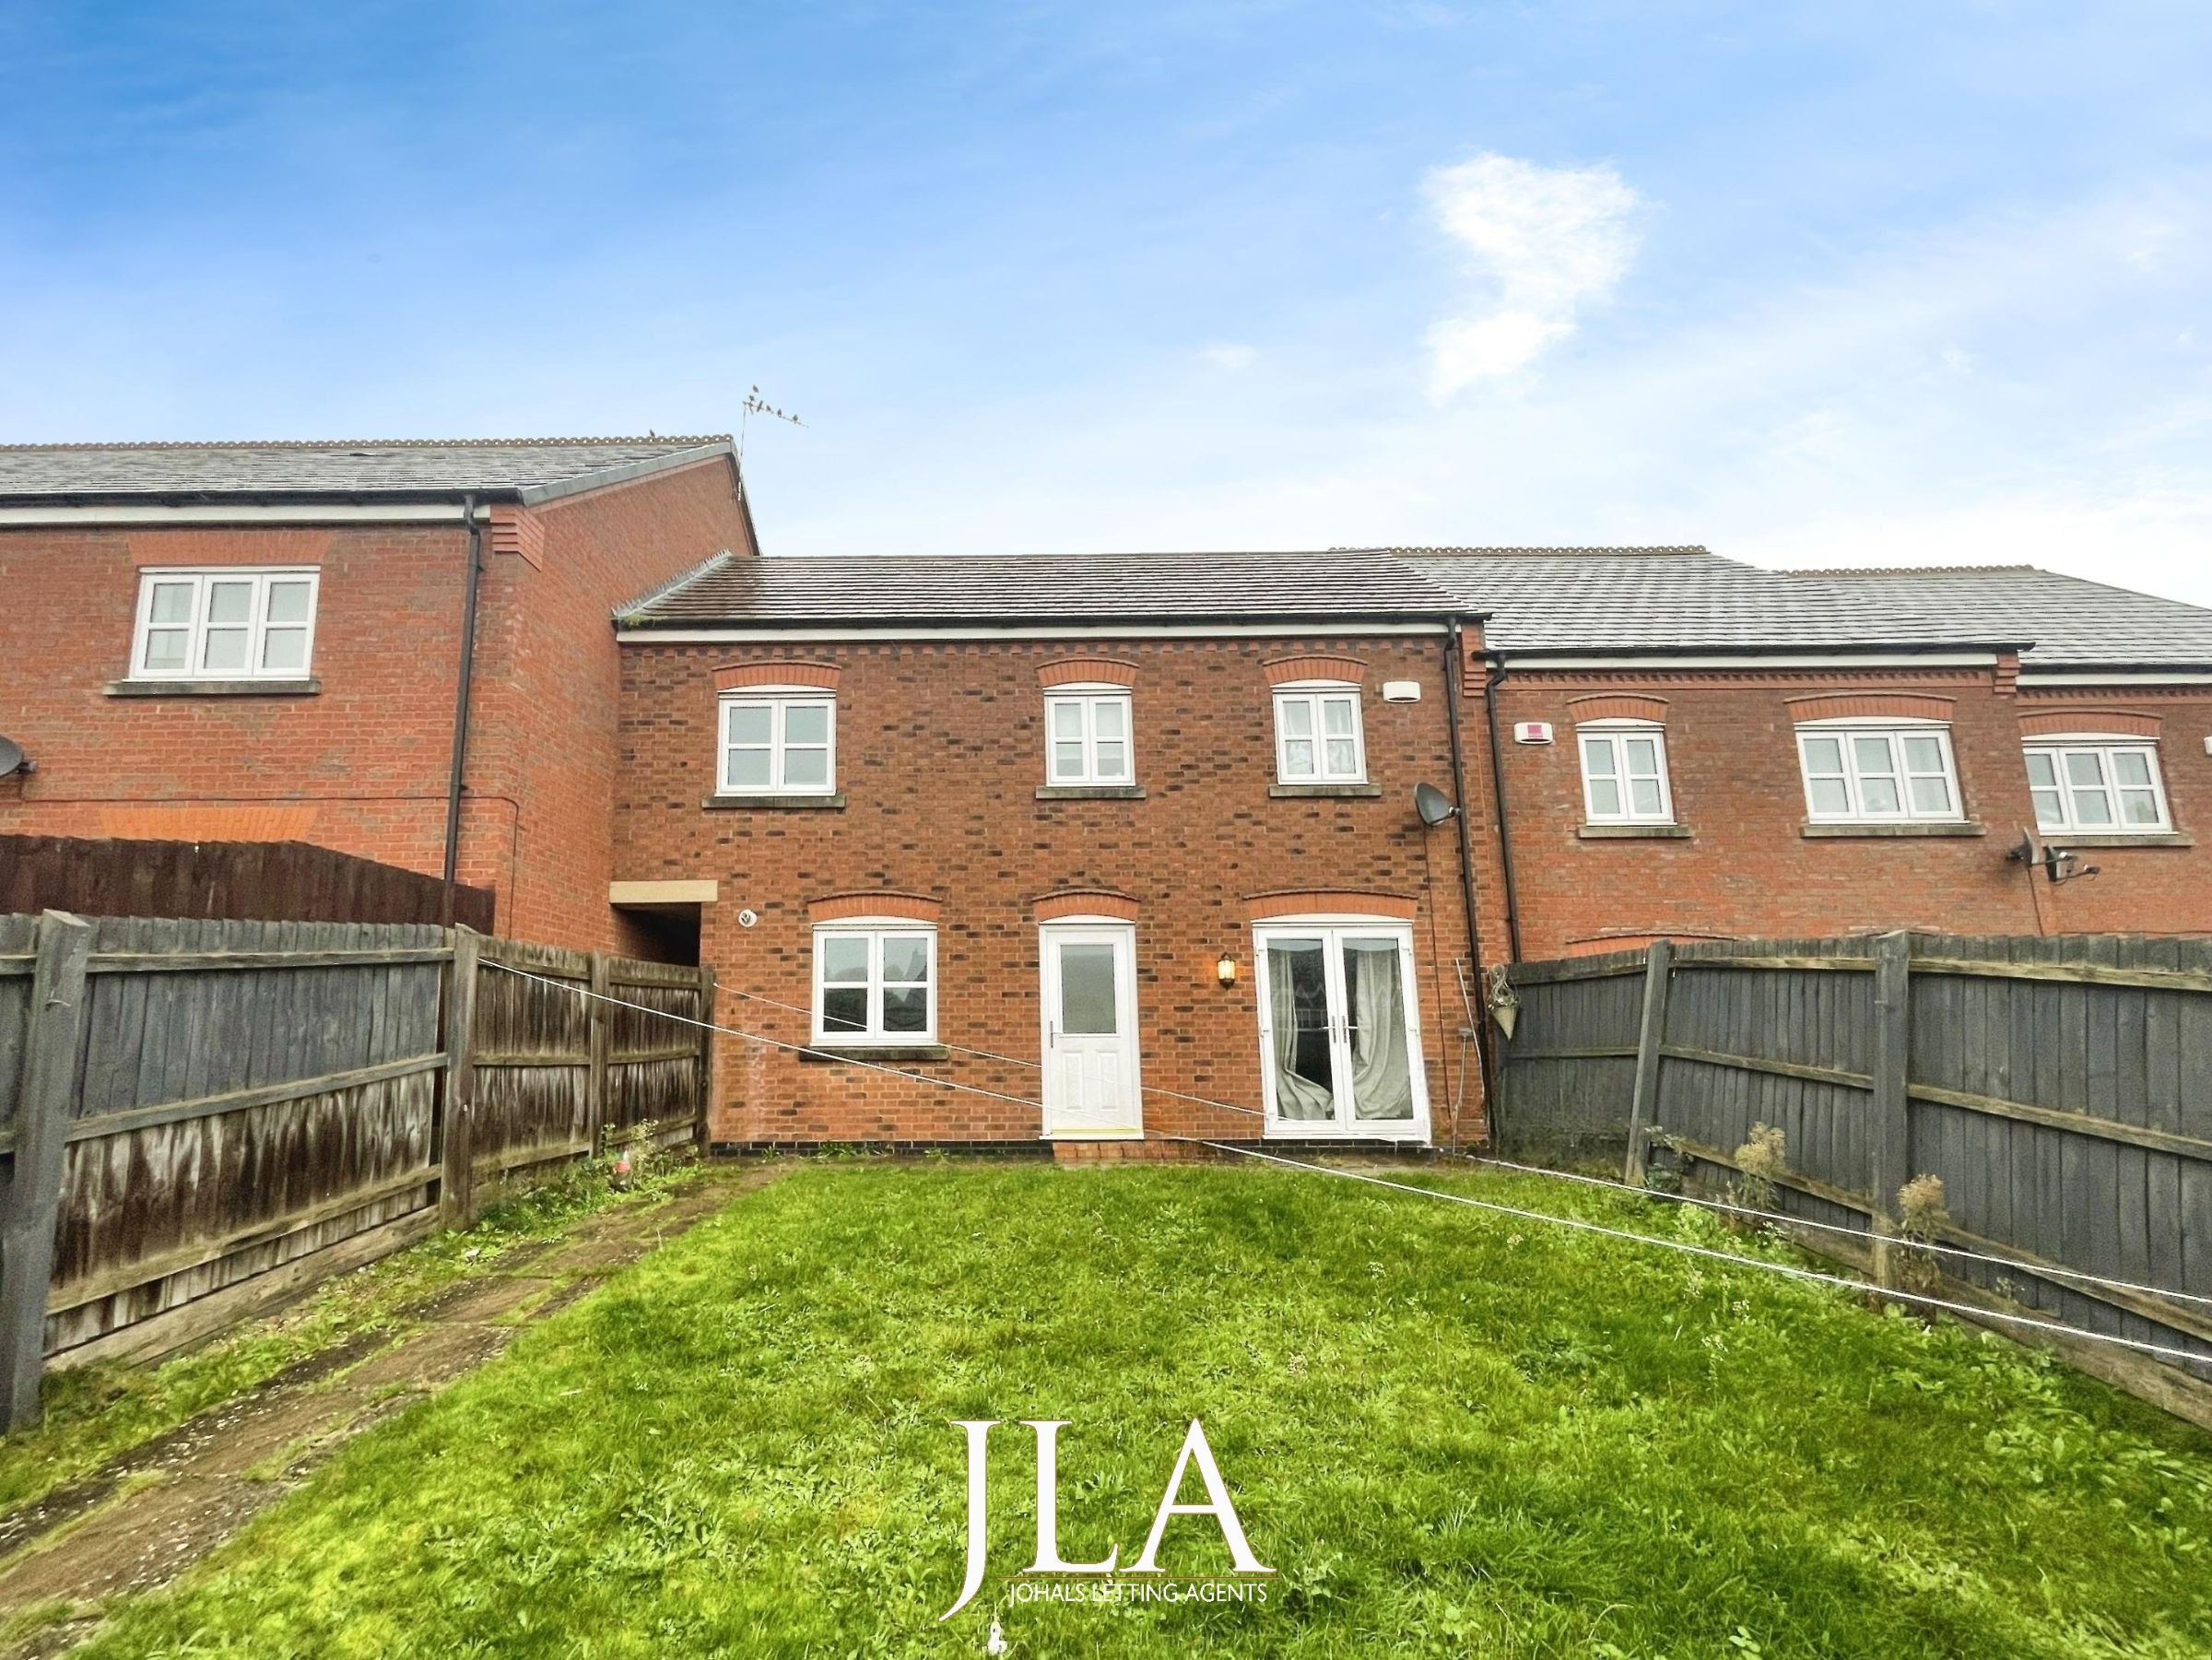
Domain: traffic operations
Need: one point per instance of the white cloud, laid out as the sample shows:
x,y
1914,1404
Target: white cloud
x,y
1547,241
1232,355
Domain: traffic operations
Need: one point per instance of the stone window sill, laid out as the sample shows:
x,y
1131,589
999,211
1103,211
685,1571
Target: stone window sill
x,y
2119,839
1345,792
1633,833
1090,792
1945,827
213,688
737,803
823,1052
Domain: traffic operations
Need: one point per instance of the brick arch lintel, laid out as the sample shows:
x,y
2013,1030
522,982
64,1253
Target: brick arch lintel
x,y
1095,671
1084,901
2127,722
882,901
1315,902
1314,666
1617,706
788,671
1875,705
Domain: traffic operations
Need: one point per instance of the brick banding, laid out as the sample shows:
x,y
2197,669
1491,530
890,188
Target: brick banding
x,y
1084,901
734,676
1086,671
2118,722
1284,669
1617,706
888,901
1306,902
1872,705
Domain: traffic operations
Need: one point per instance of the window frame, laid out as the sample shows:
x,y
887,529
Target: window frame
x,y
1315,695
2104,745
875,930
257,626
1613,733
1894,732
1086,697
779,700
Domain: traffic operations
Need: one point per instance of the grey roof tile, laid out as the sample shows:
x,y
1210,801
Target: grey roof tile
x,y
2072,622
519,468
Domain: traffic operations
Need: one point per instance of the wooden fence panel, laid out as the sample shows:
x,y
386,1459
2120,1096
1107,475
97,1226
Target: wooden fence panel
x,y
2061,1089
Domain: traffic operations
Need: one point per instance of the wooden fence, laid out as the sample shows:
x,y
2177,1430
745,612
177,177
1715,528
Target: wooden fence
x,y
264,881
203,1118
2061,1089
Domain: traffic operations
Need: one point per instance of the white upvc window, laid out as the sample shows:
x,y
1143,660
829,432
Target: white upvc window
x,y
876,982
778,741
225,622
1317,735
2094,781
1088,736
1878,772
1624,774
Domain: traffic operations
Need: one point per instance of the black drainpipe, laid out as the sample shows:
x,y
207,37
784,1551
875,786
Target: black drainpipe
x,y
1505,839
468,665
1455,689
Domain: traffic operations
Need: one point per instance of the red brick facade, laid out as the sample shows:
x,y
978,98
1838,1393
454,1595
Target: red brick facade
x,y
940,755
361,764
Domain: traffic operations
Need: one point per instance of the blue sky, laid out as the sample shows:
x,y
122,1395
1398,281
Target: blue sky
x,y
1821,283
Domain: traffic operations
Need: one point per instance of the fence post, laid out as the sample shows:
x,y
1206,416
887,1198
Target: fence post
x,y
595,1088
457,1182
1643,1105
34,1188
1892,1139
702,1123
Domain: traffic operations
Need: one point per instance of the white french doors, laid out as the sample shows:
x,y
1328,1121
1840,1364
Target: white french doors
x,y
1090,1050
1340,1044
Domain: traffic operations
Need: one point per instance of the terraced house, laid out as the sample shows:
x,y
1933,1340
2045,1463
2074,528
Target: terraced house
x,y
1127,848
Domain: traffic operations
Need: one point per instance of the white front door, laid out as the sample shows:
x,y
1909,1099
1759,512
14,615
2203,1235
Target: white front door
x,y
1340,1041
1091,1086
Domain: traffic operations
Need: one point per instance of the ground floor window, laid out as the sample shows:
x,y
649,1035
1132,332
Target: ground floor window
x,y
1339,1032
875,982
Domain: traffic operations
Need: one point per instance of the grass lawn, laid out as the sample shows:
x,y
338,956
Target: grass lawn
x,y
1450,1432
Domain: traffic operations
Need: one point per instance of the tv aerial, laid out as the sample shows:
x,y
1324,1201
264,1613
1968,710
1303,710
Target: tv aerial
x,y
755,404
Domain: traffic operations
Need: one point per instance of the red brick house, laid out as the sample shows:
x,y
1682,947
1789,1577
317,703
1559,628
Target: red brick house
x,y
265,642
1109,839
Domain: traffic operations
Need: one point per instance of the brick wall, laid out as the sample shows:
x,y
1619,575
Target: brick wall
x,y
940,751
1748,869
359,766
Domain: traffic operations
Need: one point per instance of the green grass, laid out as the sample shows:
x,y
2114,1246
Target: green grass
x,y
1452,1432
98,1413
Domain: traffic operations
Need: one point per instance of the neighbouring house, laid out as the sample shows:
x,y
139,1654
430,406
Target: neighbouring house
x,y
1129,848
264,643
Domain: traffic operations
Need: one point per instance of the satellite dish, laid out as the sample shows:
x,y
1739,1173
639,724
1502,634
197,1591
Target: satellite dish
x,y
1432,805
2025,851
11,758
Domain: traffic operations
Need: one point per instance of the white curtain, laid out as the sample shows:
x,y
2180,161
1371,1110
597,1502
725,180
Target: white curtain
x,y
1297,1095
1382,1074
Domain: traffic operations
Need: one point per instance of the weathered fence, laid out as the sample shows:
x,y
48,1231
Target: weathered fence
x,y
203,1118
264,881
2061,1089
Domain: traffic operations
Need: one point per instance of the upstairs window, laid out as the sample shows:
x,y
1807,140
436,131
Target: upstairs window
x,y
231,622
1861,774
778,743
875,982
1088,736
2092,783
1317,737
1624,774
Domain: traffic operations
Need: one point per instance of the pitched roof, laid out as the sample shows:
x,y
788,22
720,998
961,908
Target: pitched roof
x,y
2072,622
1007,590
524,469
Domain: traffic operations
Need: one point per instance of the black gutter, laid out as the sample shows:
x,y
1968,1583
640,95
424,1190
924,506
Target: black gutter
x,y
1505,840
467,674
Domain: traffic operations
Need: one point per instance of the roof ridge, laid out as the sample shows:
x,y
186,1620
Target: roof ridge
x,y
1902,570
1447,552
682,438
